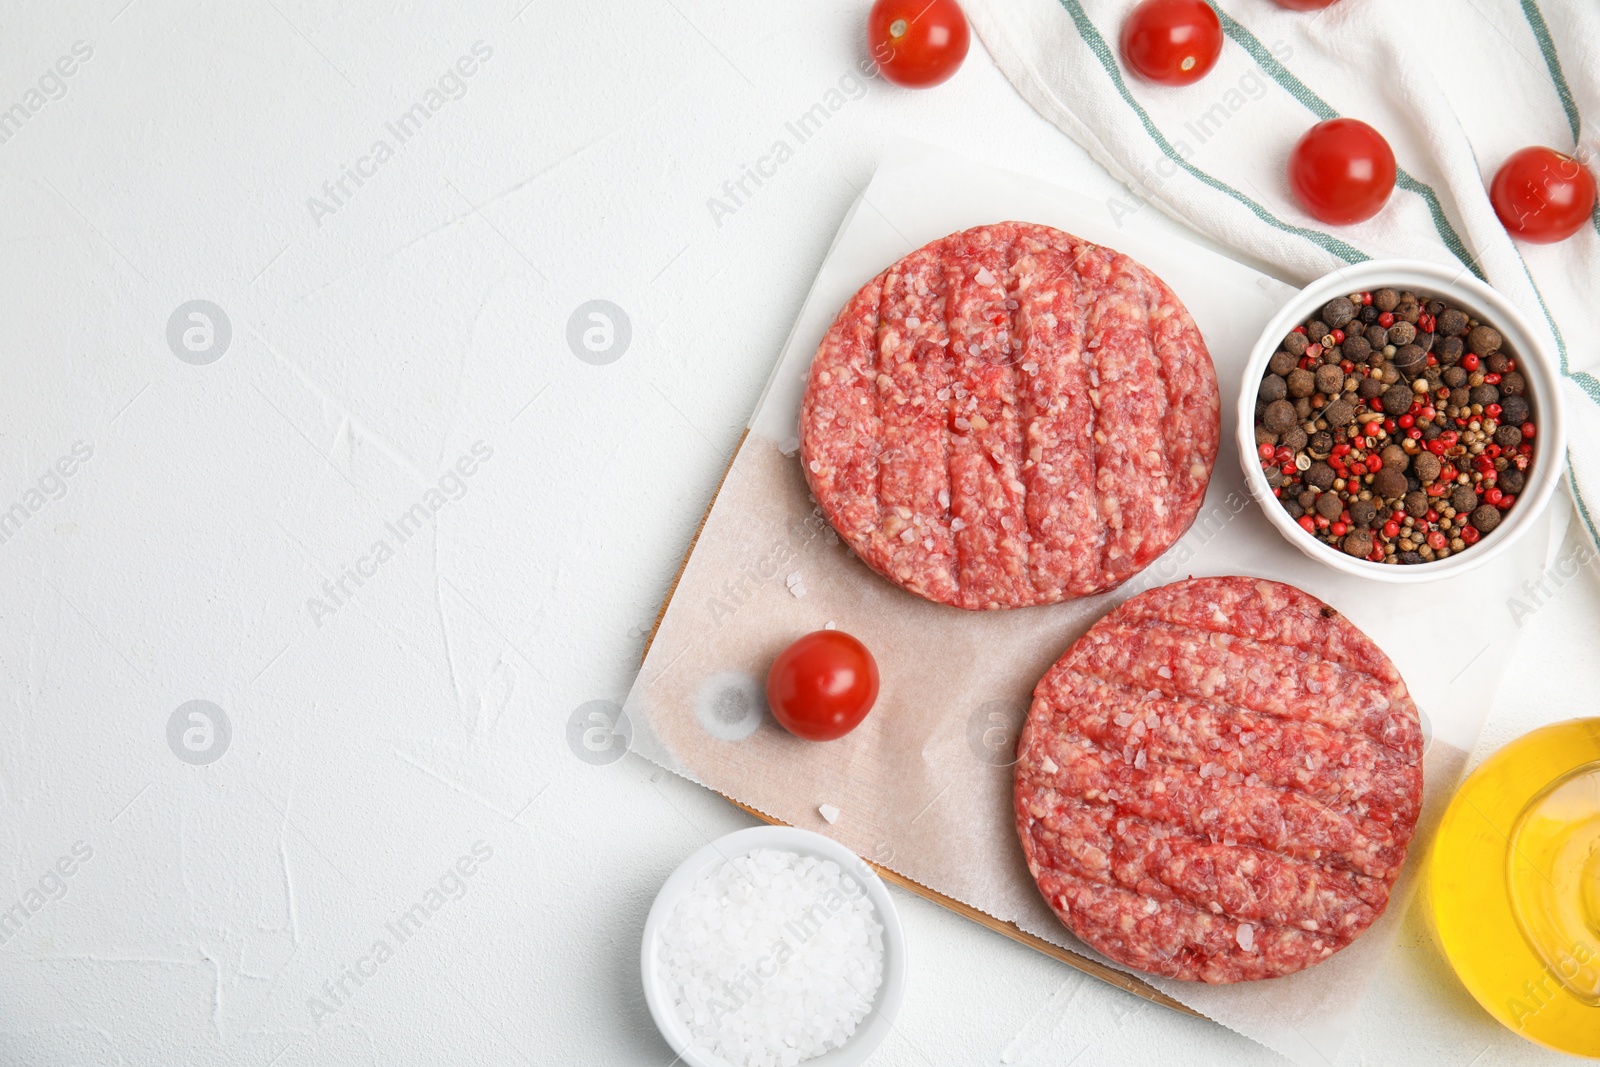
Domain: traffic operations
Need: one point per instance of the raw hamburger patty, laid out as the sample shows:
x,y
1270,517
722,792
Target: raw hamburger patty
x,y
1218,781
1010,416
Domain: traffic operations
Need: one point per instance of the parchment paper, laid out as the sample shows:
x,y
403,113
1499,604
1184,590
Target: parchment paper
x,y
923,786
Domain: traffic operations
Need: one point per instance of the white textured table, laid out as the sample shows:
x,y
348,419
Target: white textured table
x,y
399,533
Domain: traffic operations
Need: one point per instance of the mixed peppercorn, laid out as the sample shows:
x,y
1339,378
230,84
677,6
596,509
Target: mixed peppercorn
x,y
1394,427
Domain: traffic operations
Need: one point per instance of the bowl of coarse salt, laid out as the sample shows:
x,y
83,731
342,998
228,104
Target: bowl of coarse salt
x,y
773,947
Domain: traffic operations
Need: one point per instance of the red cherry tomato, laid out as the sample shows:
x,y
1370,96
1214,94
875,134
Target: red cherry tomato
x,y
1543,196
917,43
1306,5
1342,171
823,685
1173,42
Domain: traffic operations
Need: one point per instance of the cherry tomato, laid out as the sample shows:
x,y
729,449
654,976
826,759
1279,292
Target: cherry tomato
x,y
1342,171
1542,196
1306,5
917,43
823,685
1173,42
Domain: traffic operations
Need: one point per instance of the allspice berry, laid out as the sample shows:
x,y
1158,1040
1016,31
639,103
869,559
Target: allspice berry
x,y
1279,416
1486,517
1273,388
1511,480
1397,399
1453,323
1282,362
1329,506
1321,475
1402,333
1484,340
1339,413
1330,379
1463,499
1338,311
1410,359
1358,543
1295,344
1426,467
1301,382
1389,483
1385,299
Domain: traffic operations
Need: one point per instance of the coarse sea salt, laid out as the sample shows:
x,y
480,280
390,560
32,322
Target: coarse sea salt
x,y
772,958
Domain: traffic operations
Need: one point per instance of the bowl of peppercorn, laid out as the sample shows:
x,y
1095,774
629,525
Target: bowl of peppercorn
x,y
1407,422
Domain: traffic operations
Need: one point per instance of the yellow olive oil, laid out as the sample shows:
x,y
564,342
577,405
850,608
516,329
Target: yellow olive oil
x,y
1515,885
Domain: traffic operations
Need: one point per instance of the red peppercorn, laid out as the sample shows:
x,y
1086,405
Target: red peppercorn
x,y
1313,351
1493,411
1307,523
1436,446
1344,364
1415,433
1524,449
1492,451
1366,299
1469,361
1449,437
1506,502
1398,514
1290,469
1407,421
1433,360
1528,430
1391,529
1491,378
1388,424
1431,516
1470,535
1374,464
1484,464
1278,492
1511,365
1341,449
1447,473
1339,529
1299,329
1436,540
1493,496
1436,489
1265,450
1344,516
1322,523
1284,453
1358,469
1386,320
1338,337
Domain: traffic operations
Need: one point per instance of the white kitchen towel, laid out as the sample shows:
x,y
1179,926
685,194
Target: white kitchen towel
x,y
1455,85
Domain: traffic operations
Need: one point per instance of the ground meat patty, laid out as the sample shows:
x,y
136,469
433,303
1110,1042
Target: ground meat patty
x,y
1218,782
1010,416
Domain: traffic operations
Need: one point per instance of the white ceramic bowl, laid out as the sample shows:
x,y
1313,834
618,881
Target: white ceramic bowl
x,y
885,1005
1459,289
